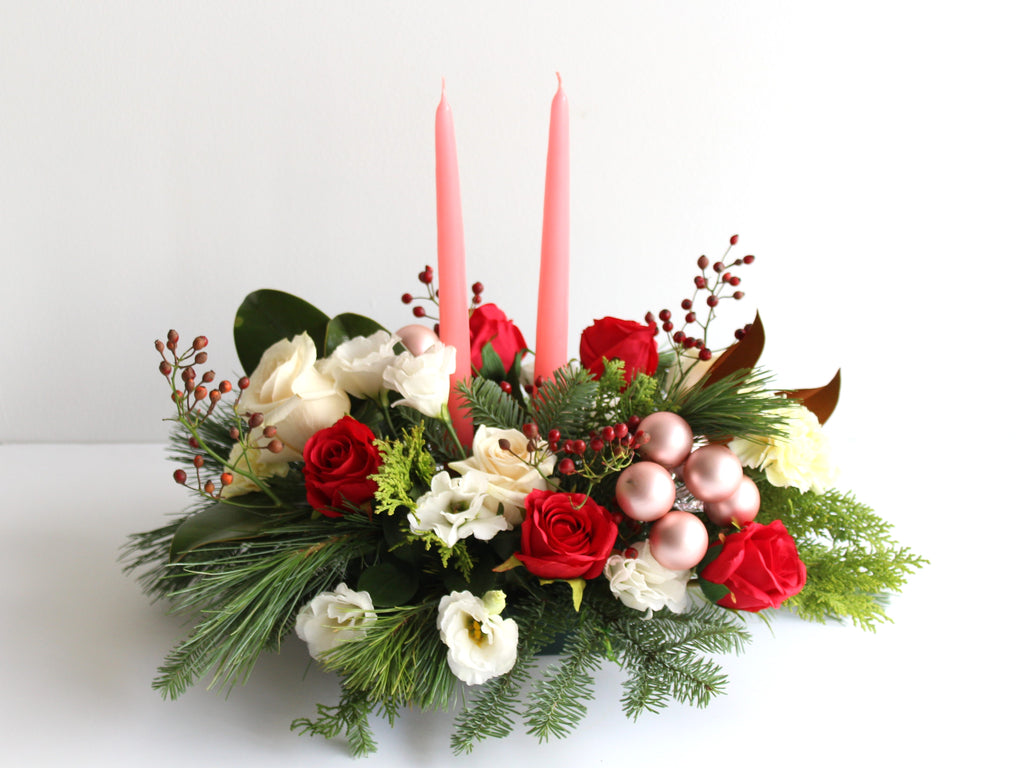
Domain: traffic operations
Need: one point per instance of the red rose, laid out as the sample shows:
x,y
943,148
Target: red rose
x,y
760,567
614,339
565,535
487,323
338,462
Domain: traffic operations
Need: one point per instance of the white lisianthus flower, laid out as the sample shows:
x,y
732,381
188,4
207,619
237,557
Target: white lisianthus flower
x,y
457,509
643,584
357,366
252,461
293,395
509,472
481,644
802,459
333,618
422,380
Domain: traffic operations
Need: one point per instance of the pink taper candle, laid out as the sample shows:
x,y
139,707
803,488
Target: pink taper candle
x,y
451,263
553,295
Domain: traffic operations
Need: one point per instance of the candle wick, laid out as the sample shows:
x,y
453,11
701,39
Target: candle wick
x,y
442,87
559,76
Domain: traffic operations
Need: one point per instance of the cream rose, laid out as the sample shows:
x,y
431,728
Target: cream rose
x,y
333,618
684,372
423,380
509,472
251,461
801,459
293,395
357,366
457,509
481,644
643,584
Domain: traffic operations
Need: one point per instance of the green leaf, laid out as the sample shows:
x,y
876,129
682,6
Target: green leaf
x,y
491,366
712,591
221,522
348,326
389,584
267,316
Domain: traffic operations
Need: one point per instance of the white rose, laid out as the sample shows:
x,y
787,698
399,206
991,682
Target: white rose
x,y
333,618
457,509
510,472
643,584
800,459
293,395
481,644
357,366
424,380
250,460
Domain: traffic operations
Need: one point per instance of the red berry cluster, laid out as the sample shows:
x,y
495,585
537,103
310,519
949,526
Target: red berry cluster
x,y
602,451
196,399
433,293
717,287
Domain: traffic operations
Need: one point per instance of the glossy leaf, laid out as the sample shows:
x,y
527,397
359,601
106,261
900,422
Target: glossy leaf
x,y
712,591
348,326
221,522
267,316
821,401
743,355
389,584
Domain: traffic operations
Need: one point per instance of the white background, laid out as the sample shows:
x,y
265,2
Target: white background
x,y
160,160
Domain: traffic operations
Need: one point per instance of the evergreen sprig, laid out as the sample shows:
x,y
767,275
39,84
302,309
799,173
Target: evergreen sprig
x,y
566,401
489,405
852,559
739,405
350,715
405,462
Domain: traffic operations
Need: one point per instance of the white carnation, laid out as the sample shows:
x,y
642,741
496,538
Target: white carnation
x,y
333,618
801,459
643,584
423,380
481,644
510,473
457,509
293,395
357,366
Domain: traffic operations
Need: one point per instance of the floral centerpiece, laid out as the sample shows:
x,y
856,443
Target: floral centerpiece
x,y
633,508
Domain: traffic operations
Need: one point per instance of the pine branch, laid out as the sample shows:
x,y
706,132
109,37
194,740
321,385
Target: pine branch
x,y
351,715
566,401
490,406
737,406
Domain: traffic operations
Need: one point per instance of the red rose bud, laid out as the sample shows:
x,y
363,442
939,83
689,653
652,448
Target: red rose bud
x,y
489,325
565,535
614,339
338,463
759,565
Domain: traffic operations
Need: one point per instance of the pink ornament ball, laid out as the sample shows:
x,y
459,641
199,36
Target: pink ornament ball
x,y
645,491
712,473
679,540
670,439
740,508
417,338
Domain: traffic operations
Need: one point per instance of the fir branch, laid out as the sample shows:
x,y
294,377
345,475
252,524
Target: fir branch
x,y
851,557
351,715
489,405
737,406
566,401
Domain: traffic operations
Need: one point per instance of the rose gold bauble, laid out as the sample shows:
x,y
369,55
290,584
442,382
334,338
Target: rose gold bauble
x,y
712,473
679,540
417,338
670,439
740,508
645,491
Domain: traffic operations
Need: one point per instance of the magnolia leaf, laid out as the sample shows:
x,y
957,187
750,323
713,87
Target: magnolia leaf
x,y
389,584
348,326
218,523
743,355
821,401
267,316
491,366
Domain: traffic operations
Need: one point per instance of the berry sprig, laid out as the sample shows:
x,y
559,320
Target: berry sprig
x,y
718,287
607,450
426,277
196,399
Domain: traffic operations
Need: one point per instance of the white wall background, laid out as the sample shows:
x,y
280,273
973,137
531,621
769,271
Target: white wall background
x,y
160,160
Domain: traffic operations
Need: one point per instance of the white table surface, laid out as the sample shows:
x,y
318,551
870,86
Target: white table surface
x,y
79,645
